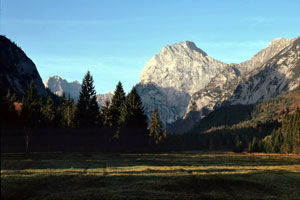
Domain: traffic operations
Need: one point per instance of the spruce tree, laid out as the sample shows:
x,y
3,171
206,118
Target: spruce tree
x,y
49,111
31,112
87,113
133,133
296,135
115,107
155,128
69,112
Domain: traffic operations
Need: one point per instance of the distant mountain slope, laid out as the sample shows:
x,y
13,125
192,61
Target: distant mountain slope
x,y
17,70
250,115
58,86
277,75
269,73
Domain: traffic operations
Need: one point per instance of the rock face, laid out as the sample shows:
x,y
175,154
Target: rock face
x,y
58,86
172,76
263,56
185,84
17,70
102,98
223,86
279,74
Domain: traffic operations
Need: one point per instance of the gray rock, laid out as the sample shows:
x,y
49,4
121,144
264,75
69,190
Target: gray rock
x,y
58,86
172,76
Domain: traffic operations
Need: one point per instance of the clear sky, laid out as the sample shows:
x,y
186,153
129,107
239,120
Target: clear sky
x,y
115,38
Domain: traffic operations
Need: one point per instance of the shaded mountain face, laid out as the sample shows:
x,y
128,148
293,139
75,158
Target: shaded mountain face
x,y
59,86
185,84
17,70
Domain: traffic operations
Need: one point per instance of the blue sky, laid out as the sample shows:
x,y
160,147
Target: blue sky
x,y
115,38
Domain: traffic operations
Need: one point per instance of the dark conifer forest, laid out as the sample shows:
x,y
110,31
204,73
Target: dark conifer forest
x,y
59,124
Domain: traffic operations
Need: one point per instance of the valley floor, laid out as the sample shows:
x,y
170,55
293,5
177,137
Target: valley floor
x,y
186,175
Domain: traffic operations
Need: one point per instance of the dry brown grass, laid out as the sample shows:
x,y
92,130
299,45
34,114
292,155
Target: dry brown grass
x,y
190,175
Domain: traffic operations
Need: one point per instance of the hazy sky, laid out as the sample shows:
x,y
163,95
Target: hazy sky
x,y
115,38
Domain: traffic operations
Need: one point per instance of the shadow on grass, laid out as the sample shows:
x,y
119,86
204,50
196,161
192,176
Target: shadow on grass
x,y
98,160
229,186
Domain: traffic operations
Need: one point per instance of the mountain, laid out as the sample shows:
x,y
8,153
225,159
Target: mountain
x,y
185,84
17,70
279,74
58,86
242,116
224,86
171,77
102,98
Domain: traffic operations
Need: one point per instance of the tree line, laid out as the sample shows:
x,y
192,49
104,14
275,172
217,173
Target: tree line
x,y
61,124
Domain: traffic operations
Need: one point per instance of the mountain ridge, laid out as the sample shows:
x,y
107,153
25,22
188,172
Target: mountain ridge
x,y
217,88
17,70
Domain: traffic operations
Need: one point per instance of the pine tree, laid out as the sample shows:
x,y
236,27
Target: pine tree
x,y
31,112
133,131
87,113
49,111
69,112
296,134
115,107
155,128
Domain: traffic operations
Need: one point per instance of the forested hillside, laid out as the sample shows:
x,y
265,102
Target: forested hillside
x,y
270,126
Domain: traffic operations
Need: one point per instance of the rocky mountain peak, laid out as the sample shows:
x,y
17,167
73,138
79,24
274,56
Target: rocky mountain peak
x,y
58,86
251,66
279,41
173,75
186,46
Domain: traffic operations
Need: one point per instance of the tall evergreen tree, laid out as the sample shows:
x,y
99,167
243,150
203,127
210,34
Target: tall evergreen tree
x,y
296,135
156,133
87,113
133,133
69,112
31,112
49,111
115,107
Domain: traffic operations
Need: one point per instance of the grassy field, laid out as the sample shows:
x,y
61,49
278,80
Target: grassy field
x,y
189,175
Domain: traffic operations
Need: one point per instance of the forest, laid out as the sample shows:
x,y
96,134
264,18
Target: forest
x,y
59,124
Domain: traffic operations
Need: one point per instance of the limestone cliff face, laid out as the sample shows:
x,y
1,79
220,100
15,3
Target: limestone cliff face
x,y
58,86
226,84
279,74
185,84
17,70
171,77
248,67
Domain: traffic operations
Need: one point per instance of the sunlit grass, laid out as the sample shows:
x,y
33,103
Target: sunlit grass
x,y
150,176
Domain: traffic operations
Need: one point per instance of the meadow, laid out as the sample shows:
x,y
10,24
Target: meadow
x,y
186,175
